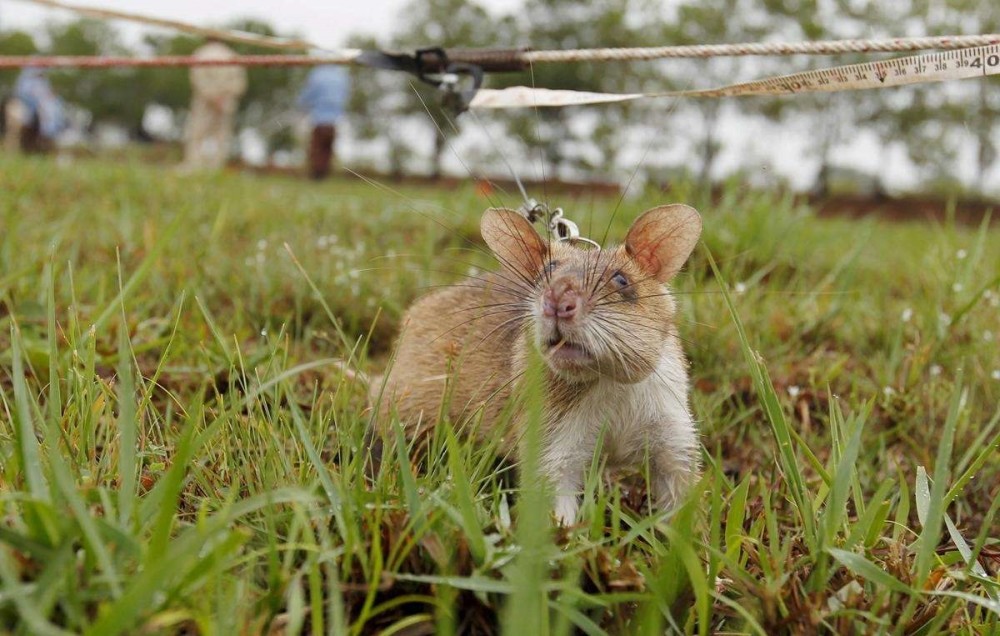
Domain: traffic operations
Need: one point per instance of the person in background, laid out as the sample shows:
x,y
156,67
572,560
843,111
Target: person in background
x,y
215,96
324,98
34,116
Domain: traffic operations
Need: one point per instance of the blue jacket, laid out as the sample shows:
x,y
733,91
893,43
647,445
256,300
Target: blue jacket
x,y
34,90
325,94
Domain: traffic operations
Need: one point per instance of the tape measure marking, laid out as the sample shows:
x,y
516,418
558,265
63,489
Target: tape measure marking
x,y
979,61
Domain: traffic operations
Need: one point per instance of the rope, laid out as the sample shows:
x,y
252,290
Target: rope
x,y
229,35
515,57
976,62
347,56
830,47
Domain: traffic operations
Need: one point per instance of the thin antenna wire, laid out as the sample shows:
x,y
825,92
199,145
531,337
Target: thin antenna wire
x,y
447,142
503,157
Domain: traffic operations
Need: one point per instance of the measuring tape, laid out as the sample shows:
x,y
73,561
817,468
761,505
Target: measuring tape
x,y
978,61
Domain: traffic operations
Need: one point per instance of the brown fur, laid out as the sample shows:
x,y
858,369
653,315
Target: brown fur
x,y
462,349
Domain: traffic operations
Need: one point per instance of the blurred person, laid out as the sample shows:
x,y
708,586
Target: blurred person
x,y
324,98
215,96
34,115
14,120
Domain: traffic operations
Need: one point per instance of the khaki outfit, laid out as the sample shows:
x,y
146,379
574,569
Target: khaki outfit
x,y
16,124
215,96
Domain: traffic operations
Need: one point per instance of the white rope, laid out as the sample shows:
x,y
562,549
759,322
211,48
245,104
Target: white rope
x,y
830,47
976,62
228,35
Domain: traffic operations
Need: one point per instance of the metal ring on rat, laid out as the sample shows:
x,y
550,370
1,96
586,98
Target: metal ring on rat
x,y
583,239
566,230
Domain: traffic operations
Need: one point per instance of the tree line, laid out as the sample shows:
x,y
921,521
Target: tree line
x,y
932,123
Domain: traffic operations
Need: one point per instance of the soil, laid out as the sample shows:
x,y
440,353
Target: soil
x,y
936,209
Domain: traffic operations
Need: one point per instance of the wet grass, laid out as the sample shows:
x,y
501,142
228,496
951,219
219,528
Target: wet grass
x,y
182,452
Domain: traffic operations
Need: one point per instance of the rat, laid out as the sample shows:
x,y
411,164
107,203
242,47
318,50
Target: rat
x,y
603,320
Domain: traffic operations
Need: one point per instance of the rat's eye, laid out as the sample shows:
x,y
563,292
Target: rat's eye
x,y
546,271
619,279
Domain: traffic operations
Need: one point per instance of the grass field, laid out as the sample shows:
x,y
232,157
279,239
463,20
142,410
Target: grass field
x,y
182,453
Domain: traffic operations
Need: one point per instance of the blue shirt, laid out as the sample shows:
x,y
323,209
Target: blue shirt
x,y
33,89
325,94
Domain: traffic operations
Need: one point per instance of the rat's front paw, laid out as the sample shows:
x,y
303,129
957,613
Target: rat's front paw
x,y
565,509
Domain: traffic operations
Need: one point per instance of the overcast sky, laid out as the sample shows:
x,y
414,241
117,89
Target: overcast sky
x,y
325,22
329,22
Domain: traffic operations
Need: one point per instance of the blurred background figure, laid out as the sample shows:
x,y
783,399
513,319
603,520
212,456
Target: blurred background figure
x,y
34,115
324,99
215,96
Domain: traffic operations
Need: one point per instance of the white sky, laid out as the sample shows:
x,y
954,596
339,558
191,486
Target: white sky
x,y
329,22
325,22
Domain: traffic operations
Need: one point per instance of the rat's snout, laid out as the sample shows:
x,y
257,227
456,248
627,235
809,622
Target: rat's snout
x,y
560,301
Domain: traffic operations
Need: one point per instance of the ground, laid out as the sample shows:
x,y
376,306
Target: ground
x,y
182,417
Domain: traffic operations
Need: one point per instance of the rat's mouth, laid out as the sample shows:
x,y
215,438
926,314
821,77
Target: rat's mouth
x,y
560,352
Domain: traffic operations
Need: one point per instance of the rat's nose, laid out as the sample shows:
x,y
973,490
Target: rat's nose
x,y
559,304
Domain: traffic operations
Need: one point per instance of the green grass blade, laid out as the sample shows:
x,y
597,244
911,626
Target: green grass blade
x,y
869,571
934,503
526,610
775,415
28,453
128,431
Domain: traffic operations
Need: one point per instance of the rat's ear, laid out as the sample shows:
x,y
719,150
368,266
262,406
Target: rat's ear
x,y
514,241
661,240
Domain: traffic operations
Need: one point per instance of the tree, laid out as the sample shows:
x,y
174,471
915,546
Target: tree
x,y
566,140
170,87
931,122
710,22
972,110
107,94
14,43
445,23
270,92
376,109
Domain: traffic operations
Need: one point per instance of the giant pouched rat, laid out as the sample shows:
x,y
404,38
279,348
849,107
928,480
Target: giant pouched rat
x,y
605,324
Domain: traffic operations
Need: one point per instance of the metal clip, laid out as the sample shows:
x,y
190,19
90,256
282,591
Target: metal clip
x,y
533,210
563,228
447,79
555,221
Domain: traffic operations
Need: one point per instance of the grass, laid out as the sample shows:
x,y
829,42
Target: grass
x,y
182,451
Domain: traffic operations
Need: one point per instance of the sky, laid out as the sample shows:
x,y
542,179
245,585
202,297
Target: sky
x,y
328,23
